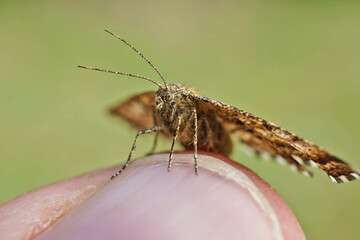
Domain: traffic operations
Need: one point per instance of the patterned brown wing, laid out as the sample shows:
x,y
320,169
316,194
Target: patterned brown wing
x,y
138,110
265,137
283,152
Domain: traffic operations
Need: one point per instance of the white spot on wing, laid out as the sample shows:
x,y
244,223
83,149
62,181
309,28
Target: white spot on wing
x,y
249,151
298,159
355,175
313,164
280,160
293,167
306,173
332,178
343,178
266,156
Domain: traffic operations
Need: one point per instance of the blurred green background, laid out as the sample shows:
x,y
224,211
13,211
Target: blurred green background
x,y
295,64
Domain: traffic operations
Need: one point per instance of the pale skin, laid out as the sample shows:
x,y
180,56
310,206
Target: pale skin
x,y
148,202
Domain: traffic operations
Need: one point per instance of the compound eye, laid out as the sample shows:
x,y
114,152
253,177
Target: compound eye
x,y
169,96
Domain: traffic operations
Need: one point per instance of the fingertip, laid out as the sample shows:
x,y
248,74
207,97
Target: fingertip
x,y
290,226
225,201
31,213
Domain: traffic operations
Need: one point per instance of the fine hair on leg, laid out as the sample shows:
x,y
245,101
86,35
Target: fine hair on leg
x,y
145,131
156,137
173,143
195,140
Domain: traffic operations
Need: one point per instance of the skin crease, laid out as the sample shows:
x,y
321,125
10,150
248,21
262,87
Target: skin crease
x,y
148,202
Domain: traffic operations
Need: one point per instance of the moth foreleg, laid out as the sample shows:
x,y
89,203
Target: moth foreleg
x,y
155,140
173,143
195,140
154,144
145,131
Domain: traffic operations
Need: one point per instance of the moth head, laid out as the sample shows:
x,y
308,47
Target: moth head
x,y
168,96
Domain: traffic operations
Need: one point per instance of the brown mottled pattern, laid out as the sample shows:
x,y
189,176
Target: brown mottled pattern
x,y
265,136
216,121
137,110
198,122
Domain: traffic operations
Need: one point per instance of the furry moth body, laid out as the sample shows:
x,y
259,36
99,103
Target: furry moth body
x,y
200,123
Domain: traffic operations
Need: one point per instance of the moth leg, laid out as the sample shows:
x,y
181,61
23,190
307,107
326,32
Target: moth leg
x,y
209,141
173,143
154,144
195,140
155,140
145,131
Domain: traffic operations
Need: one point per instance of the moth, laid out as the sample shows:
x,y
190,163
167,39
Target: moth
x,y
200,123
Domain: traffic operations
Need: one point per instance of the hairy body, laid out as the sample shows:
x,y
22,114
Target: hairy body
x,y
198,122
216,121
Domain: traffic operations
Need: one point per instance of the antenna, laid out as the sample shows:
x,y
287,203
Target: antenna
x,y
138,52
122,73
